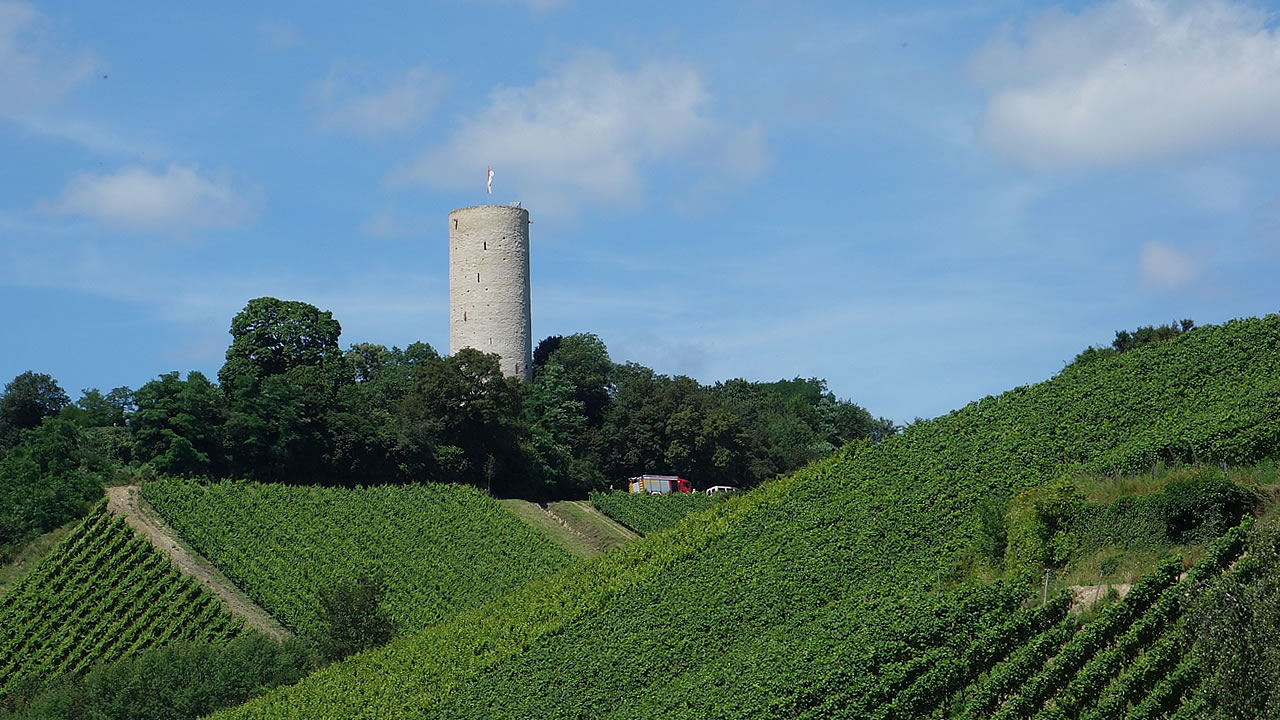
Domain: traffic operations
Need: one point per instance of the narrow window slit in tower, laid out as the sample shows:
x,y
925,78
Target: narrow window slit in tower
x,y
455,223
464,316
477,277
485,244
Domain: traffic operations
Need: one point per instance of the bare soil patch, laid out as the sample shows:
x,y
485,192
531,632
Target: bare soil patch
x,y
126,500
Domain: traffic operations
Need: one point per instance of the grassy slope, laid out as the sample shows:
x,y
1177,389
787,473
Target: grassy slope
x,y
29,554
790,599
441,548
538,519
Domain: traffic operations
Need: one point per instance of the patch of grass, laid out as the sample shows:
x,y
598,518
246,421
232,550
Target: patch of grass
x,y
19,563
599,530
537,518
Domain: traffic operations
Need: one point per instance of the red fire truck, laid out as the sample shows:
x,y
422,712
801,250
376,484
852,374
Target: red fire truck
x,y
658,484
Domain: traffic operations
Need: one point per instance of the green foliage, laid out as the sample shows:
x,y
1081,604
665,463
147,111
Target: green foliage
x,y
1126,341
281,378
27,400
1237,636
352,618
1039,527
48,479
650,513
805,596
94,409
100,595
1191,507
440,548
180,680
177,425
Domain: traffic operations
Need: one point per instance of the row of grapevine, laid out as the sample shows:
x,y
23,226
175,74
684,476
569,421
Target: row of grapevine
x,y
439,548
650,513
1117,661
795,599
102,594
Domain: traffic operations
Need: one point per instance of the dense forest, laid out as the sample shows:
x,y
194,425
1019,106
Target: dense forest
x,y
290,405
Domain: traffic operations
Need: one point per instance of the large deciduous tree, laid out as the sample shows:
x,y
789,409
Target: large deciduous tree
x,y
28,399
282,375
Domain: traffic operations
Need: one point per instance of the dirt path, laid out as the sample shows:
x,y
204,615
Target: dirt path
x,y
1085,596
127,501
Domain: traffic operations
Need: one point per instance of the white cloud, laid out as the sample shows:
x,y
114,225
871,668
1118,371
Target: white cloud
x,y
349,100
34,71
1166,268
137,199
586,132
1131,80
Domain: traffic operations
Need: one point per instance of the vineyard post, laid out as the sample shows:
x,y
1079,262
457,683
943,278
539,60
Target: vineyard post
x,y
1045,600
1098,592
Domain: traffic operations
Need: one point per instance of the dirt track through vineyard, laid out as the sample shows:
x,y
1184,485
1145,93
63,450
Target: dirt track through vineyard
x,y
127,501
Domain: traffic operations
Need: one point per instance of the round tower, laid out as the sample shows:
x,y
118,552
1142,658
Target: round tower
x,y
489,285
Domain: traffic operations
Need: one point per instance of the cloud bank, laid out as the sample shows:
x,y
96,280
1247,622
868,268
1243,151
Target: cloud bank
x,y
588,131
1130,80
180,199
34,71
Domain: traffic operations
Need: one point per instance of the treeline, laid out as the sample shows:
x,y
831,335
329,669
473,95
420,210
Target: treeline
x,y
290,405
1126,341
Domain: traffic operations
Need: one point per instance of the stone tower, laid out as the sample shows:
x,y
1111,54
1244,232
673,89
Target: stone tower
x,y
489,285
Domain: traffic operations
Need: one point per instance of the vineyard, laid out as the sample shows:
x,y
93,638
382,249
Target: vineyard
x,y
831,592
1132,661
439,548
650,513
102,594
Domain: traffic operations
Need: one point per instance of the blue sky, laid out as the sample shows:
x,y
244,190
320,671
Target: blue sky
x,y
922,203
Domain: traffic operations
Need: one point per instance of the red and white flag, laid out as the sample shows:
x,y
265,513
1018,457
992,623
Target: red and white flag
x,y
489,185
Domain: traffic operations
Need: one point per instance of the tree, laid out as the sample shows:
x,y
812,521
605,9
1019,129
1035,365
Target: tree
x,y
28,399
586,364
352,618
1126,341
178,424
282,375
272,337
459,412
46,480
542,353
94,409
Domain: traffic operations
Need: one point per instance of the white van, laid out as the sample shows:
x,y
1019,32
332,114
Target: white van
x,y
721,488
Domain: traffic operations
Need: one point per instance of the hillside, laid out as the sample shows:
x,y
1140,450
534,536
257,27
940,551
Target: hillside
x,y
804,597
101,594
440,548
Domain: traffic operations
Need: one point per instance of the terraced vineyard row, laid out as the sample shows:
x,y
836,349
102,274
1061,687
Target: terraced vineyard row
x,y
102,594
440,548
650,513
1131,661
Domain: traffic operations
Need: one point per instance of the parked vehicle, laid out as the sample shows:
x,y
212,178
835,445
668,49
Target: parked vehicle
x,y
658,484
721,488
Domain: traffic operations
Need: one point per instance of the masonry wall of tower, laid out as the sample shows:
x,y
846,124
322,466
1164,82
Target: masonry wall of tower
x,y
489,307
